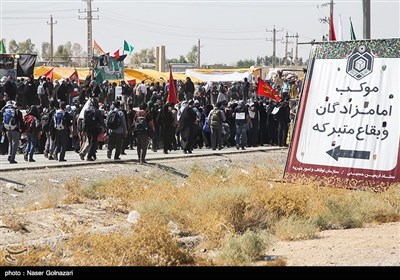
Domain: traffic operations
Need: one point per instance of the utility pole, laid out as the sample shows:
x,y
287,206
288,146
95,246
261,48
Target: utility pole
x,y
297,47
296,56
367,19
51,39
274,44
328,19
89,17
198,53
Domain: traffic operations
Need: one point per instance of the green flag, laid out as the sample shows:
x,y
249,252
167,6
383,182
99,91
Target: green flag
x,y
128,47
352,34
2,47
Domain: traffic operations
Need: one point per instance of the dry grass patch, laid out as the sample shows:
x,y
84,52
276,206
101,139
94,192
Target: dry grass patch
x,y
295,228
243,249
224,202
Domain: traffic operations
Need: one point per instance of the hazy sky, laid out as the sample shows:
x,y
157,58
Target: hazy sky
x,y
228,30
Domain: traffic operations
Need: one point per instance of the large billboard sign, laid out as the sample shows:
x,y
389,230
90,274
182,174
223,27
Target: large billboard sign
x,y
348,124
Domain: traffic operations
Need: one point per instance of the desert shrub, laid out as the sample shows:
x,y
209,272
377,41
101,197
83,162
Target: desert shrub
x,y
219,210
243,249
295,228
149,244
341,212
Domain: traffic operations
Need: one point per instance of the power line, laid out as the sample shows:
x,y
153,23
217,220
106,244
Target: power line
x,y
89,17
274,31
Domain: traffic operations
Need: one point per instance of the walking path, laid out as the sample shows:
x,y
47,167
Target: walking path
x,y
73,158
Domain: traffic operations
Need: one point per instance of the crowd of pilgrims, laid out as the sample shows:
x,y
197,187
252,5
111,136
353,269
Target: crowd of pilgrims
x,y
208,115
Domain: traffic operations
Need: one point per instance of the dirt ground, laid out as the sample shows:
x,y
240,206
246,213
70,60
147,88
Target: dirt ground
x,y
23,193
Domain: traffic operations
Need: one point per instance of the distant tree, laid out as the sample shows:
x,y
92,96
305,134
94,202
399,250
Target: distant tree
x,y
182,59
172,60
78,55
45,51
245,63
150,55
192,55
63,53
22,47
260,60
143,56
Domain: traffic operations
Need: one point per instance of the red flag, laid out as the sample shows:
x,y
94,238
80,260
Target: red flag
x,y
171,89
266,90
74,77
116,54
49,74
97,47
331,28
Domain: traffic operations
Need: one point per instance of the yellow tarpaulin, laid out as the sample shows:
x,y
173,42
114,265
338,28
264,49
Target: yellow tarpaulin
x,y
61,72
147,75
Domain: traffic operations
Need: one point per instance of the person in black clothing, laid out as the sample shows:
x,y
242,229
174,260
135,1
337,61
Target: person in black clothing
x,y
10,89
253,129
128,141
206,132
283,118
245,89
165,121
61,93
188,128
272,124
152,109
142,137
48,129
29,96
93,132
189,89
262,130
243,123
62,135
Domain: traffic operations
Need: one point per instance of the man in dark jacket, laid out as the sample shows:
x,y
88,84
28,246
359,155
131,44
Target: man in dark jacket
x,y
13,133
93,127
62,132
116,133
10,89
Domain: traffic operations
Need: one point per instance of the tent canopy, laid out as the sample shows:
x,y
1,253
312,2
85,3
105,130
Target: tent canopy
x,y
61,72
152,76
220,75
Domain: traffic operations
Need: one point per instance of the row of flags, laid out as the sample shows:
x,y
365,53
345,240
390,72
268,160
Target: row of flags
x,y
127,47
263,89
73,77
332,34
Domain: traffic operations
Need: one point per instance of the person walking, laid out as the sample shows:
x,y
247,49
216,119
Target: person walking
x,y
13,125
62,124
242,122
32,130
216,118
117,129
142,122
93,123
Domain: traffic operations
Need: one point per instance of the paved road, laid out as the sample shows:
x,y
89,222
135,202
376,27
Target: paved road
x,y
73,158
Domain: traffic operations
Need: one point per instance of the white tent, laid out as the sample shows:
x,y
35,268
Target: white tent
x,y
220,76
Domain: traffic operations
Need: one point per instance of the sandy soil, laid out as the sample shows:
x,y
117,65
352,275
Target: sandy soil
x,y
23,192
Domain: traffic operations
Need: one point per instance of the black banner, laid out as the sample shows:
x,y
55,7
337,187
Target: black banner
x,y
26,65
